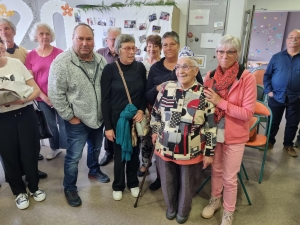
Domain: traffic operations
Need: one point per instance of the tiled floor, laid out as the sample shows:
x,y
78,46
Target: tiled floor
x,y
274,202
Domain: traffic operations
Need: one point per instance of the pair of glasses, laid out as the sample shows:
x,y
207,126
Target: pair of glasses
x,y
184,67
111,39
292,38
127,49
229,53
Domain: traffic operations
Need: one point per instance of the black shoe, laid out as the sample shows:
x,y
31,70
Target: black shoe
x,y
181,219
105,160
155,185
170,216
41,157
101,177
73,198
42,175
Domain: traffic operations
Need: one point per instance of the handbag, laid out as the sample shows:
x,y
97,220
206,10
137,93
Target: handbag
x,y
143,127
43,126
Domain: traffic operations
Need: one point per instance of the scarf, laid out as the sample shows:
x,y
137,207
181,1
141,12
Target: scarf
x,y
12,50
222,85
123,137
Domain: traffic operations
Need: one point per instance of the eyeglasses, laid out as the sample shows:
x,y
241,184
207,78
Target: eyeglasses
x,y
127,49
229,53
291,38
184,67
112,39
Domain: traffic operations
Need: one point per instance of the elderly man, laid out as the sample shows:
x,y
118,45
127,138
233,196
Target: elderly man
x,y
74,90
282,84
110,55
7,34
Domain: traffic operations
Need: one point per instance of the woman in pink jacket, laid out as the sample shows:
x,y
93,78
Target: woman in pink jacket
x,y
232,89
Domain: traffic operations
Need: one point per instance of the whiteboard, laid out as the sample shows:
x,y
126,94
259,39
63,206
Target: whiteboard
x,y
202,39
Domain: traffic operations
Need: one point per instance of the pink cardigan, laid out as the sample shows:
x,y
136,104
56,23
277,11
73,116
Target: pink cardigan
x,y
239,107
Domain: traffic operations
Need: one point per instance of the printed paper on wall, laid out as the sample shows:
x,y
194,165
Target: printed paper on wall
x,y
209,40
199,17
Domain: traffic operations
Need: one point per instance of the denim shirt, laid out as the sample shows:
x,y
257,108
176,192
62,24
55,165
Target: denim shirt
x,y
282,77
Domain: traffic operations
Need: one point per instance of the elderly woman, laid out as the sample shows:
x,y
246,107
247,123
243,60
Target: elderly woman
x,y
19,136
162,71
153,47
184,130
38,63
114,101
232,89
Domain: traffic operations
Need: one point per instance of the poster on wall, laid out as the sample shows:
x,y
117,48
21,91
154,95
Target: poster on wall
x,y
201,60
199,17
210,40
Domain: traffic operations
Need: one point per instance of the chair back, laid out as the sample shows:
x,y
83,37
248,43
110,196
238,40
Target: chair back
x,y
259,76
260,93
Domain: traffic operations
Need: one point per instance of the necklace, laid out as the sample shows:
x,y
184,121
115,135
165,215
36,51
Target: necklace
x,y
44,52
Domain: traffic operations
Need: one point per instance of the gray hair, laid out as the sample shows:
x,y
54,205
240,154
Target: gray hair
x,y
9,22
297,30
171,34
192,60
111,29
230,41
35,28
123,38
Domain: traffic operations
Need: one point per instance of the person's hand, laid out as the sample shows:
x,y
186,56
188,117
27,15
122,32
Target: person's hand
x,y
138,116
74,120
47,101
158,87
271,94
154,137
207,160
110,135
212,96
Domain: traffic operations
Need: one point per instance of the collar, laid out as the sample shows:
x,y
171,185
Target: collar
x,y
12,50
108,52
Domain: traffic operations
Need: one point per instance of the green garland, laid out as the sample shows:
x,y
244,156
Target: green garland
x,y
128,3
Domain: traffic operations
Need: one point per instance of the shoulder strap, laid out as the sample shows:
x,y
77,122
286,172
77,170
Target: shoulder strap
x,y
241,70
124,82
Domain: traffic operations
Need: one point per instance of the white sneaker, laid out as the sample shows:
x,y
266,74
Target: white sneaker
x,y
135,191
39,195
22,201
53,154
117,195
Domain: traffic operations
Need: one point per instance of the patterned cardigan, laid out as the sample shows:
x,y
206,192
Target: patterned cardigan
x,y
184,122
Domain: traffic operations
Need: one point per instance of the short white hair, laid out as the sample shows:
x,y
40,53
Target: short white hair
x,y
35,28
230,41
111,29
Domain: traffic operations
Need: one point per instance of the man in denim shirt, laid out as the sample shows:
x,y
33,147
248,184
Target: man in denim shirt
x,y
282,84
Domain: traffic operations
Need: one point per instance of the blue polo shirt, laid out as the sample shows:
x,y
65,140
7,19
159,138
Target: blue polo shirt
x,y
282,77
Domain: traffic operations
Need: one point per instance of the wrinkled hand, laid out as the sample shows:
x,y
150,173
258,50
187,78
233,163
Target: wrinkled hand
x,y
47,101
110,135
271,94
207,160
212,96
158,87
74,120
138,116
154,137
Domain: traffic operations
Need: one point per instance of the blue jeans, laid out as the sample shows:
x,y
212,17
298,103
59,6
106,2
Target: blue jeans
x,y
59,139
292,116
78,135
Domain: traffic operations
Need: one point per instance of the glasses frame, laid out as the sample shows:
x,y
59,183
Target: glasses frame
x,y
292,38
127,49
228,53
188,67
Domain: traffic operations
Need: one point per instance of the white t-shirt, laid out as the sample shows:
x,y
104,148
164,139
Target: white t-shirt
x,y
15,67
147,65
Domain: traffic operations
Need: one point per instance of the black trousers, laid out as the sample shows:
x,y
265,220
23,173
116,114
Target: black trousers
x,y
132,167
109,147
20,146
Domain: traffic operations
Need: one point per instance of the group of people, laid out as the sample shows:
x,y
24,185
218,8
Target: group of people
x,y
90,96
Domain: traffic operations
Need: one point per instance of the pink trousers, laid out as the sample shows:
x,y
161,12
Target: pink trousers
x,y
226,165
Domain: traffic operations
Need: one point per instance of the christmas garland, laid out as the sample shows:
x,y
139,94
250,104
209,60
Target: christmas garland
x,y
128,3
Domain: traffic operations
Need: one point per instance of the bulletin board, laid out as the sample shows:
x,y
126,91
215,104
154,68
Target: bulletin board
x,y
206,25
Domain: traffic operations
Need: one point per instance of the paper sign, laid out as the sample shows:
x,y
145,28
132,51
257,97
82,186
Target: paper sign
x,y
199,17
209,40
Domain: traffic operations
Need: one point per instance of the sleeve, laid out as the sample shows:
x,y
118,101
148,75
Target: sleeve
x,y
155,121
25,73
151,91
210,130
28,63
268,77
58,88
144,101
199,78
106,81
246,110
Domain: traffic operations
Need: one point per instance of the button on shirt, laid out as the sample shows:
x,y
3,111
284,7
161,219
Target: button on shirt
x,y
282,77
107,55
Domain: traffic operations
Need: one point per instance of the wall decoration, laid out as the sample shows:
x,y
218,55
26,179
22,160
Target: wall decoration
x,y
142,38
129,24
101,22
199,17
4,12
164,16
142,26
152,17
201,60
111,21
67,10
77,17
26,16
156,29
138,51
139,58
189,34
210,40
